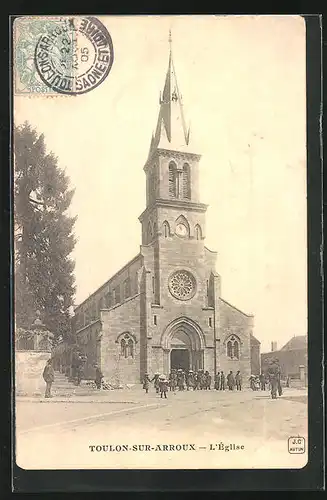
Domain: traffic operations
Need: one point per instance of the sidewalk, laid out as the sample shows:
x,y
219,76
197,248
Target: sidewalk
x,y
136,395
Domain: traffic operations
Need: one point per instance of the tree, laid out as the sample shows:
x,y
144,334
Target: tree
x,y
44,238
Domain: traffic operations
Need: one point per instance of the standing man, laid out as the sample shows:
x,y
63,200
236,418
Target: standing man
x,y
230,381
208,379
98,376
48,375
155,381
238,380
222,381
180,379
274,378
262,381
217,381
146,382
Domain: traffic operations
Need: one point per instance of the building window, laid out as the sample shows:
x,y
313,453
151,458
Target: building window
x,y
150,231
127,288
116,294
210,322
123,348
233,348
186,182
153,284
127,346
136,283
155,319
198,232
166,229
130,350
152,185
107,300
172,180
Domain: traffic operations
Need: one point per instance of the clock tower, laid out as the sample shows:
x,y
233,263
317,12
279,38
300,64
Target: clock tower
x,y
174,218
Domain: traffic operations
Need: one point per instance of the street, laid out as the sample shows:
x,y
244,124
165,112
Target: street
x,y
222,430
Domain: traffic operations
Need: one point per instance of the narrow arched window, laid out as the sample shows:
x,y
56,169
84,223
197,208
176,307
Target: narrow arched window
x,y
127,288
131,348
172,180
229,349
233,348
166,230
123,348
186,181
236,350
198,232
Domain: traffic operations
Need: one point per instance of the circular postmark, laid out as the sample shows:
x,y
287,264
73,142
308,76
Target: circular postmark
x,y
75,56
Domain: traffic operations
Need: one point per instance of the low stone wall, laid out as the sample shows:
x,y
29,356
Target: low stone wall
x,y
29,366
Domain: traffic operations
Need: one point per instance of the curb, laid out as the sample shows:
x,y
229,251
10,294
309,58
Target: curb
x,y
70,400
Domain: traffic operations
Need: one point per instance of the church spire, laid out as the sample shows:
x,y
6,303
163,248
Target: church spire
x,y
171,131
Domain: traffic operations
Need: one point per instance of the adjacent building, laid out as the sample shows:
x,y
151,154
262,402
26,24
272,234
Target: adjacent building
x,y
292,357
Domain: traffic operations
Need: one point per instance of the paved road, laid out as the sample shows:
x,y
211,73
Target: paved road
x,y
63,434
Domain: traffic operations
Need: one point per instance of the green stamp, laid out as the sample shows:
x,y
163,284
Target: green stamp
x,y
58,55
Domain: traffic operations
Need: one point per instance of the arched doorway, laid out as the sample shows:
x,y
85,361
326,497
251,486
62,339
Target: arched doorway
x,y
183,343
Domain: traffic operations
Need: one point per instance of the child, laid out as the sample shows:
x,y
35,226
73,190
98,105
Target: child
x,y
146,382
163,384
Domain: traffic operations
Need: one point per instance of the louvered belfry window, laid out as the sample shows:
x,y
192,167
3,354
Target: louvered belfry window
x,y
172,180
186,182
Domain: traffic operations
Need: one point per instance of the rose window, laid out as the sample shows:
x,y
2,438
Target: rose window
x,y
182,285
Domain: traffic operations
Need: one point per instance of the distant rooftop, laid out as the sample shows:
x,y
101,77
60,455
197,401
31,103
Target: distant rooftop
x,y
298,342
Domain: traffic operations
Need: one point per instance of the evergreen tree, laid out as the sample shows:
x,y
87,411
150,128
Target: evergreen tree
x,y
44,236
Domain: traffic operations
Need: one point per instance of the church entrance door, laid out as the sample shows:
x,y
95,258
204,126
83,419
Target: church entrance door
x,y
183,345
180,358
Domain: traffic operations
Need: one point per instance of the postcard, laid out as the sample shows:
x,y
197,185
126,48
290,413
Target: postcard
x,y
160,242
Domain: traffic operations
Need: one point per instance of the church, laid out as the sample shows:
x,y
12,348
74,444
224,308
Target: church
x,y
164,308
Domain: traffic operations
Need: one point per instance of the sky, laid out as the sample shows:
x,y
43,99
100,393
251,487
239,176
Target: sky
x,y
242,79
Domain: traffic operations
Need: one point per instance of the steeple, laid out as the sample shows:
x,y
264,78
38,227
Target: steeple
x,y
171,131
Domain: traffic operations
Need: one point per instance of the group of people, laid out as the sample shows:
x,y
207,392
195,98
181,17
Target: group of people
x,y
181,380
78,365
230,381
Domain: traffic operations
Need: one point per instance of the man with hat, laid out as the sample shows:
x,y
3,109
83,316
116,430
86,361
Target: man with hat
x,y
98,376
238,380
190,380
217,381
274,378
222,381
207,380
48,375
180,379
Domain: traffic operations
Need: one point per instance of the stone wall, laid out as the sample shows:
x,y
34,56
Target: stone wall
x,y
88,340
120,320
235,322
29,366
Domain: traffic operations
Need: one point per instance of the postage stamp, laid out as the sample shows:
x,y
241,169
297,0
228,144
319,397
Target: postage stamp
x,y
61,55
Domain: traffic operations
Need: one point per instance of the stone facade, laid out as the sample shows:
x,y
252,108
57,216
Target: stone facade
x,y
164,308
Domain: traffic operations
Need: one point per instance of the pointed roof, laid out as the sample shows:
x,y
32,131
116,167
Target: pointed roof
x,y
171,131
296,342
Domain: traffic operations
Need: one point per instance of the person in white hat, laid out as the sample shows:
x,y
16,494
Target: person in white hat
x,y
156,382
163,383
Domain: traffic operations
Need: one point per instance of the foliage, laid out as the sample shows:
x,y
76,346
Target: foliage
x,y
44,238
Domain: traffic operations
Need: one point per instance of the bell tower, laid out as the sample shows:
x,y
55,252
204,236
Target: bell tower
x,y
172,167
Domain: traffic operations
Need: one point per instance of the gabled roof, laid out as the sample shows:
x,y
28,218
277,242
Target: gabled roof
x,y
298,342
254,340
